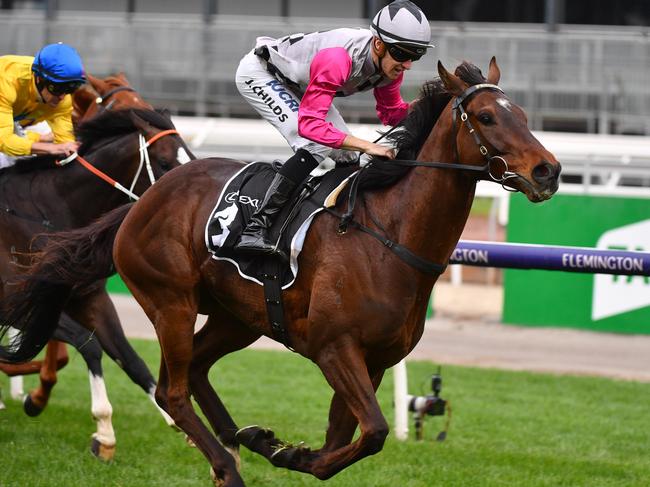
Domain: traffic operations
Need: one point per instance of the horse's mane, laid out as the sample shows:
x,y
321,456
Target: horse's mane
x,y
411,133
112,123
108,124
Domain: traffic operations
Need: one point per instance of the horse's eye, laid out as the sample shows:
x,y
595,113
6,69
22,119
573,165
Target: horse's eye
x,y
164,165
485,118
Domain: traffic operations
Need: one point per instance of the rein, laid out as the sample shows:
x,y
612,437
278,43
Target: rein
x,y
144,160
423,265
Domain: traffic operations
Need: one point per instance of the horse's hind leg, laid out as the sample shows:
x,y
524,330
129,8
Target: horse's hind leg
x,y
55,354
103,439
173,312
220,335
97,312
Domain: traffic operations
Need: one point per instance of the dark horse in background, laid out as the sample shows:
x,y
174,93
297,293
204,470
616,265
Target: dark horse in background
x,y
98,95
38,196
355,308
111,93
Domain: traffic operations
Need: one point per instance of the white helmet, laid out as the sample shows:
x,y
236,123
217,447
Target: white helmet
x,y
402,22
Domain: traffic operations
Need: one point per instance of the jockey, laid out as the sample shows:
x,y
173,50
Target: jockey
x,y
37,89
292,81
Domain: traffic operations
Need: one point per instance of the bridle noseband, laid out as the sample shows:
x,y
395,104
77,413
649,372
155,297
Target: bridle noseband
x,y
144,161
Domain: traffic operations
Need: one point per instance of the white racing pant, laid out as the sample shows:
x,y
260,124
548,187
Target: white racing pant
x,y
278,105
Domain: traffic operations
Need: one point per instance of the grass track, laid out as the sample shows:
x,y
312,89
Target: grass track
x,y
508,429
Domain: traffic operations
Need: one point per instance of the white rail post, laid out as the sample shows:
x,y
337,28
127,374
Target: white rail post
x,y
401,406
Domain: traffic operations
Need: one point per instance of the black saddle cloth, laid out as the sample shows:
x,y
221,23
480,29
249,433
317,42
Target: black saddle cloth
x,y
240,198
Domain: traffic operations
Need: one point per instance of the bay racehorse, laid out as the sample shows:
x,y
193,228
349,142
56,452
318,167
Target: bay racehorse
x,y
111,93
40,196
356,307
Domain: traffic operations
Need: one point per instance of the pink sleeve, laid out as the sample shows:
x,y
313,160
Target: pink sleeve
x,y
329,70
391,109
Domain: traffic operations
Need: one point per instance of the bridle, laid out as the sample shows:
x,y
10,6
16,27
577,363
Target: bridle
x,y
102,98
458,108
144,161
488,171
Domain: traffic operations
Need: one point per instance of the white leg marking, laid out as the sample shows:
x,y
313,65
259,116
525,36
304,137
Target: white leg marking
x,y
101,410
168,419
16,382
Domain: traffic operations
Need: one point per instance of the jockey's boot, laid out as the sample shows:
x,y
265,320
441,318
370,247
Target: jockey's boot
x,y
254,238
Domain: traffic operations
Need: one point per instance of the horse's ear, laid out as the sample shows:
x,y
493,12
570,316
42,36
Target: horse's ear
x,y
122,77
142,125
453,84
494,73
96,83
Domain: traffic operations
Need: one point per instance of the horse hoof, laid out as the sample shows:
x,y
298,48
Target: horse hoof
x,y
189,441
101,451
250,435
30,407
258,440
284,457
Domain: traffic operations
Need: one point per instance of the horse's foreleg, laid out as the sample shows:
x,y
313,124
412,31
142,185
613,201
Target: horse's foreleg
x,y
345,370
342,423
220,335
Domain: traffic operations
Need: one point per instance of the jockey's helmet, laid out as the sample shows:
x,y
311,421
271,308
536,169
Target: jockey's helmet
x,y
404,28
60,66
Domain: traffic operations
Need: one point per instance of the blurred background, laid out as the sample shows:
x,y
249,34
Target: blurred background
x,y
574,65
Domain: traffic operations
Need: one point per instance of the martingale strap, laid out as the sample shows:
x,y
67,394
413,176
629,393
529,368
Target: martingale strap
x,y
402,252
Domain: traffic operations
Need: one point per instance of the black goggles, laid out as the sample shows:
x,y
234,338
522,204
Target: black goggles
x,y
58,89
401,55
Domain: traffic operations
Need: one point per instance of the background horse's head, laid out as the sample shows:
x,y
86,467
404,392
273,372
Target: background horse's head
x,y
135,136
111,93
492,129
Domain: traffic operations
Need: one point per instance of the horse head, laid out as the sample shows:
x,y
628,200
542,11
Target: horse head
x,y
111,93
492,130
136,146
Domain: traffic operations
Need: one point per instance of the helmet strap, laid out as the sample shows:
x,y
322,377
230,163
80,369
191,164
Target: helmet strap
x,y
40,85
379,48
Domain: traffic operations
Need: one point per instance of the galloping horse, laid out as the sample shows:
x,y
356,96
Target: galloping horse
x,y
38,196
111,93
355,309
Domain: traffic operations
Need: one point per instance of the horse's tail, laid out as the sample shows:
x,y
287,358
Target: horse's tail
x,y
69,266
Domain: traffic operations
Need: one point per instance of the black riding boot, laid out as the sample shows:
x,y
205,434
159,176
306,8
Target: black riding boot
x,y
254,238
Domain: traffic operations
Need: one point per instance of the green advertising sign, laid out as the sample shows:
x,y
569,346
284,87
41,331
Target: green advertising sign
x,y
594,301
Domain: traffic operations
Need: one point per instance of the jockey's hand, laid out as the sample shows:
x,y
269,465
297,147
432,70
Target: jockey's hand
x,y
66,148
354,143
381,151
48,137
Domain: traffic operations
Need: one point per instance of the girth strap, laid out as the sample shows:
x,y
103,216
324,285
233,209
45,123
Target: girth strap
x,y
273,300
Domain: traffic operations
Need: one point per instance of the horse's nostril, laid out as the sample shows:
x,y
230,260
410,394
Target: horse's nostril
x,y
544,172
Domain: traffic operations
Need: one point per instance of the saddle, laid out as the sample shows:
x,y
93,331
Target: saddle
x,y
239,200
